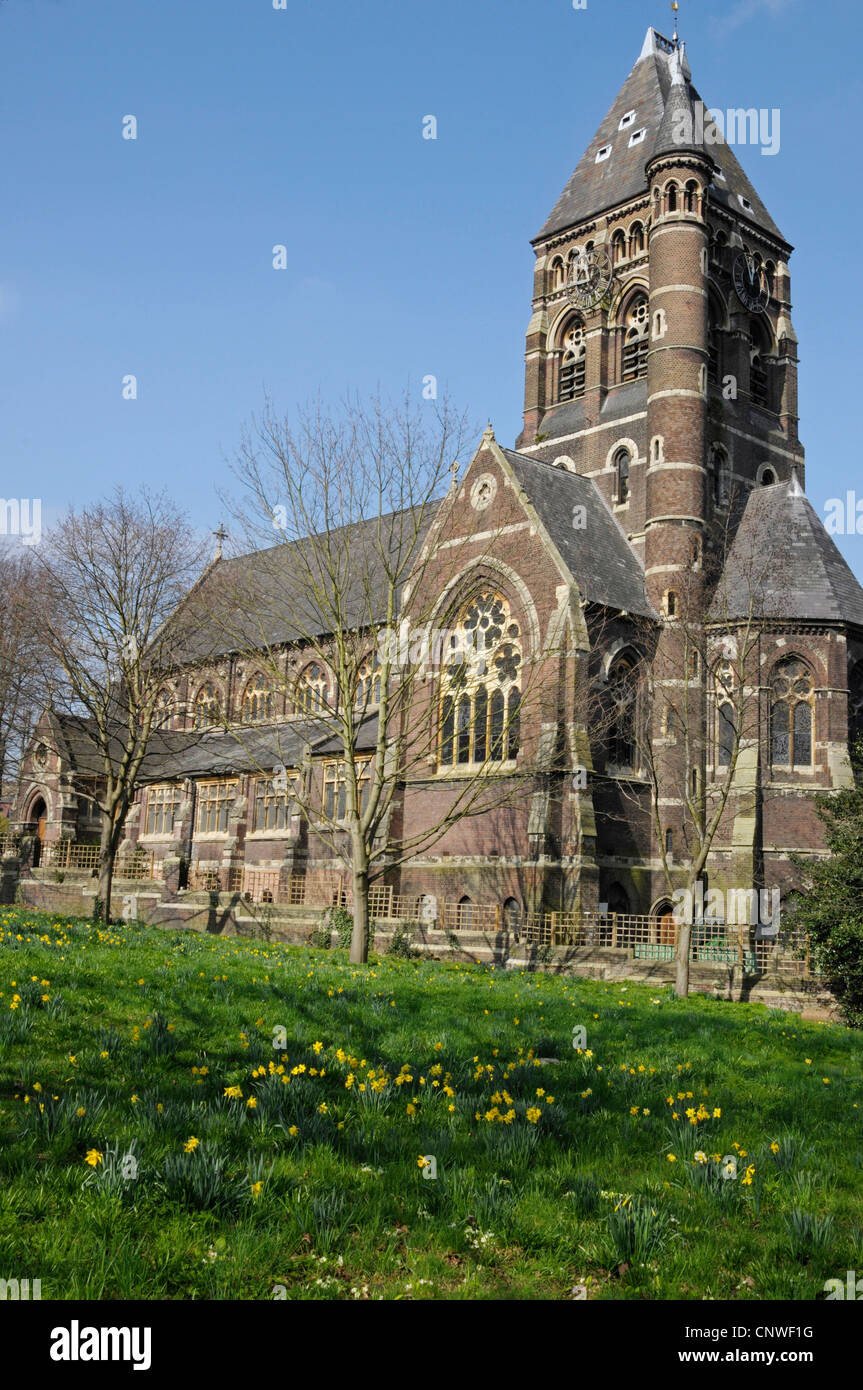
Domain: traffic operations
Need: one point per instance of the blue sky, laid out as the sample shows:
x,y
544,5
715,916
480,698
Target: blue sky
x,y
405,256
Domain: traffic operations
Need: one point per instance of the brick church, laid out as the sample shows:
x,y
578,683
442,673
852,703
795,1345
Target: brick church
x,y
659,449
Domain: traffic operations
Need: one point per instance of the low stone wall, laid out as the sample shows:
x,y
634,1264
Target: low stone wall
x,y
230,914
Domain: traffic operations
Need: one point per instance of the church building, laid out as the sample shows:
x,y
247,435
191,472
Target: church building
x,y
659,452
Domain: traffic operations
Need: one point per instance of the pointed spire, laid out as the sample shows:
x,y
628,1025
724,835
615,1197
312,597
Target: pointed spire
x,y
682,128
650,115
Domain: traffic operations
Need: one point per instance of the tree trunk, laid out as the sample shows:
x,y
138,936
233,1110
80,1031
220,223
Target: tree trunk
x,y
360,933
681,980
107,855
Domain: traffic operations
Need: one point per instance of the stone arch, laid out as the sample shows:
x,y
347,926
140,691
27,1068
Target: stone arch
x,y
792,686
208,705
37,812
512,913
624,646
637,238
617,898
557,274
490,570
624,443
622,301
766,474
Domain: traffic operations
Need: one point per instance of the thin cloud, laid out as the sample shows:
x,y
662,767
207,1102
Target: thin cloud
x,y
746,10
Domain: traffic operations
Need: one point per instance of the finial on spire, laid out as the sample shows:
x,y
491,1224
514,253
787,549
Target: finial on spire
x,y
675,7
221,535
453,468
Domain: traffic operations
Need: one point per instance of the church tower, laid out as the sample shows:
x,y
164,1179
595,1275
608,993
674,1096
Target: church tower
x,y
660,358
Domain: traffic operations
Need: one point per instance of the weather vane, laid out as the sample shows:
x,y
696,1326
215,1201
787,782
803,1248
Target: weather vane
x,y
675,7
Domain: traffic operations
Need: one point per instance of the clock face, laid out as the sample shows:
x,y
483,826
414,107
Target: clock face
x,y
589,278
750,282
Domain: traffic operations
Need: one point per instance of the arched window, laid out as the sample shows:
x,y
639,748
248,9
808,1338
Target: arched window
x,y
623,690
726,735
690,197
257,699
558,273
621,474
720,475
208,707
669,842
671,603
512,914
855,702
768,477
480,691
465,913
635,342
368,683
792,702
671,198
165,713
312,691
618,247
714,344
758,381
573,363
618,900
636,239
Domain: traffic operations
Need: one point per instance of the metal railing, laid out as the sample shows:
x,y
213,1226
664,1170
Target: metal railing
x,y
656,938
66,854
328,889
141,863
215,878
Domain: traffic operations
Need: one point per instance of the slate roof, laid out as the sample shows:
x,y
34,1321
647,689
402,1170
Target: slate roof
x,y
175,754
600,558
593,188
567,417
782,553
250,601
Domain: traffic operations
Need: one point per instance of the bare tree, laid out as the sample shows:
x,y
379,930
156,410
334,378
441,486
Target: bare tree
x,y
113,573
356,499
22,666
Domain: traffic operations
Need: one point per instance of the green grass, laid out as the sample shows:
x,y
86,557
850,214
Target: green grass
x,y
315,1191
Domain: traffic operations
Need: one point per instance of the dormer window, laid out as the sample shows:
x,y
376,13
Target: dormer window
x,y
718,174
603,153
627,120
744,203
638,135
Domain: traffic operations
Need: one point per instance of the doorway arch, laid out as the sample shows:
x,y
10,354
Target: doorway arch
x,y
39,814
663,912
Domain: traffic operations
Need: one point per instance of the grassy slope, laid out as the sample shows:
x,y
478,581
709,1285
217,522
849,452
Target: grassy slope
x,y
342,1208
